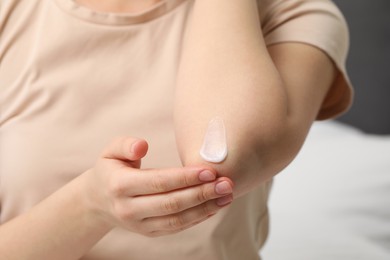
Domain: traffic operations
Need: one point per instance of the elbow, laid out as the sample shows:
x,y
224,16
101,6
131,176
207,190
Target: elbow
x,y
260,140
275,149
255,154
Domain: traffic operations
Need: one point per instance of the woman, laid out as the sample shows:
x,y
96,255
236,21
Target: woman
x,y
80,79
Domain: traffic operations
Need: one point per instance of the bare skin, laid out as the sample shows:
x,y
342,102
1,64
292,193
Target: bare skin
x,y
119,6
267,97
268,102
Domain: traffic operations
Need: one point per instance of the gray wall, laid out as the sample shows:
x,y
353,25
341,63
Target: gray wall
x,y
369,63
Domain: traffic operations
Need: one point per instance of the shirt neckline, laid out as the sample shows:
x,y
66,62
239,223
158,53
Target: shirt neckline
x,y
87,14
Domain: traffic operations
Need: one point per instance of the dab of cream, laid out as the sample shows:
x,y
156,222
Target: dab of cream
x,y
214,148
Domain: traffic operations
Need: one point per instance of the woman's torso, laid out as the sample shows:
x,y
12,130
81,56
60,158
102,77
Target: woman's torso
x,y
71,80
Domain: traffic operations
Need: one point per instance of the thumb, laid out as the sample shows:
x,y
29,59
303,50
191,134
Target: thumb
x,y
126,148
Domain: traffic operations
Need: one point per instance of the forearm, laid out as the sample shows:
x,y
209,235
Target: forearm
x,y
60,227
226,71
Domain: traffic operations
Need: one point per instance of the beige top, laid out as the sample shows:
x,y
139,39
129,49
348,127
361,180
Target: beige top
x,y
71,79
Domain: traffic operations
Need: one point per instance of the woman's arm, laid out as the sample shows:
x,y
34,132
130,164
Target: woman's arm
x,y
115,193
266,98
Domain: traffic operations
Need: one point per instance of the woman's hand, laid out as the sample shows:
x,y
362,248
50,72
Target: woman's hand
x,y
114,193
152,202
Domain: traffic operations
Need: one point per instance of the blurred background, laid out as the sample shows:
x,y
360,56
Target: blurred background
x,y
369,63
332,201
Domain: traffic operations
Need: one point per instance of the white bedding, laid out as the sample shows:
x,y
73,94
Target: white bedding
x,y
333,201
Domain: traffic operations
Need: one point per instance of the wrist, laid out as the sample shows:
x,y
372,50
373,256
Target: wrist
x,y
88,199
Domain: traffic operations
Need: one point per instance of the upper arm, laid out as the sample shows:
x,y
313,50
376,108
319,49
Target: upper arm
x,y
308,43
305,38
307,73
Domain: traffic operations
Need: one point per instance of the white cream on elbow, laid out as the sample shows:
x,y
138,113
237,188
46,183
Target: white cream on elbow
x,y
214,147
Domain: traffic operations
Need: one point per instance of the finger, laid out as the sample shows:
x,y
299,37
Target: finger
x,y
126,148
186,219
154,181
179,200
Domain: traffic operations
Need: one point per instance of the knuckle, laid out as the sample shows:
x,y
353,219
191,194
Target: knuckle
x,y
180,229
124,214
171,205
206,210
116,188
152,234
185,180
175,222
202,194
159,183
148,234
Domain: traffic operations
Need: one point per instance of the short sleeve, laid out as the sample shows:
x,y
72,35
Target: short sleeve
x,y
321,24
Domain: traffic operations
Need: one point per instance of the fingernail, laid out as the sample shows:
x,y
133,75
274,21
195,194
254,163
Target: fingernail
x,y
206,176
224,201
223,187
